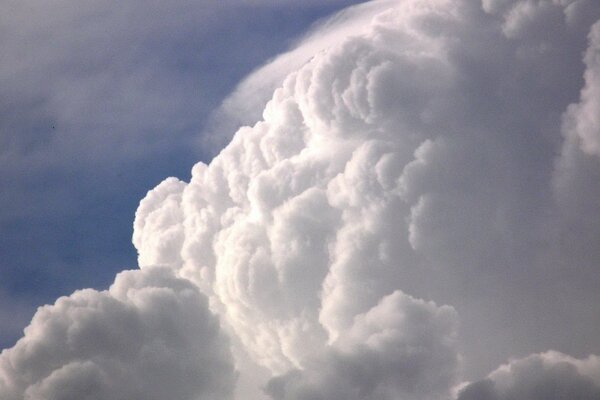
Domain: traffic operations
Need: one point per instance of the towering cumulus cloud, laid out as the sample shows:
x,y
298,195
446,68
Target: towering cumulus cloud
x,y
438,161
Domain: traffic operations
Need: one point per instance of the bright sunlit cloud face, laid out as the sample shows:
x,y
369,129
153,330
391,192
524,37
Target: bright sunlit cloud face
x,y
417,206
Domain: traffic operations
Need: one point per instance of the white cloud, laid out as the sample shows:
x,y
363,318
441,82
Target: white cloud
x,y
416,152
150,336
246,103
414,157
282,259
401,348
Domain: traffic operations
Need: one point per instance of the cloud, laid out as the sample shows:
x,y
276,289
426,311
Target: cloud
x,y
327,135
104,95
246,103
437,152
548,376
15,315
585,119
417,153
401,348
150,336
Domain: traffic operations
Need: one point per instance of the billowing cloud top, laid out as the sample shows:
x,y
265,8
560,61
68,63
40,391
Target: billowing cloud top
x,y
447,152
550,376
150,336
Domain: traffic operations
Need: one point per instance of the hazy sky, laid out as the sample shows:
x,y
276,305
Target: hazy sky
x,y
410,209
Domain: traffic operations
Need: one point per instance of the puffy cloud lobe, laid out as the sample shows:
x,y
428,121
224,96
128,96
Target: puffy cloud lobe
x,y
165,218
547,376
401,348
582,119
150,336
246,104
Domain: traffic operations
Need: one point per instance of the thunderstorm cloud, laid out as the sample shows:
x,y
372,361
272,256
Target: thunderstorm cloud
x,y
417,205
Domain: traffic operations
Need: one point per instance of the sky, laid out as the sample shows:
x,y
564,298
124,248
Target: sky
x,y
398,201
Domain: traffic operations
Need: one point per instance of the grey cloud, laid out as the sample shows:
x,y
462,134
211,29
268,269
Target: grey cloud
x,y
150,336
548,376
581,119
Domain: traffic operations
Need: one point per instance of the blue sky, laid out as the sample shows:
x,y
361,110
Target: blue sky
x,y
100,101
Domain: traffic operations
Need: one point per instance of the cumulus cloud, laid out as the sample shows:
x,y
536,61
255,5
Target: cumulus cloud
x,y
416,153
246,103
150,336
443,152
246,236
548,376
401,348
585,119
